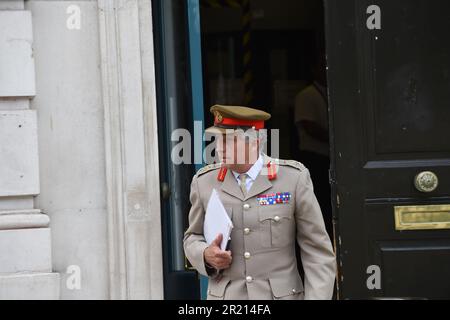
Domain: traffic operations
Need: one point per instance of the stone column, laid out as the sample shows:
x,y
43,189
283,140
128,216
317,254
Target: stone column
x,y
25,241
131,145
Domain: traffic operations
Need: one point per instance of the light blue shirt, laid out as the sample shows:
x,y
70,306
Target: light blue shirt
x,y
252,173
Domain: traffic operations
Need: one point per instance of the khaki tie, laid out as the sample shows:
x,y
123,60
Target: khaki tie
x,y
243,179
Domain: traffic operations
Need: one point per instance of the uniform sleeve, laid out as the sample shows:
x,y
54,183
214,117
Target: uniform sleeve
x,y
318,259
194,242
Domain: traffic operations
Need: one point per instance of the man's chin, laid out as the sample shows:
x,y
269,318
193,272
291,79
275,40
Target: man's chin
x,y
229,164
233,165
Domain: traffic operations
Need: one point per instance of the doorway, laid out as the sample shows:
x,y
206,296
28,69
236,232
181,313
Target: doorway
x,y
388,96
257,53
271,56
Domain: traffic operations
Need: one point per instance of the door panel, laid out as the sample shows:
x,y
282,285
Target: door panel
x,y
397,259
389,113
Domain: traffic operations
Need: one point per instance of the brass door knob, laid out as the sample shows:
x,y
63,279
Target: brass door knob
x,y
426,181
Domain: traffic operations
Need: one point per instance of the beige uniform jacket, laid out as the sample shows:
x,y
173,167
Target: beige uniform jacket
x,y
263,239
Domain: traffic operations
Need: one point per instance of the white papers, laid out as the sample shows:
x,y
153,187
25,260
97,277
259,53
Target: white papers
x,y
216,221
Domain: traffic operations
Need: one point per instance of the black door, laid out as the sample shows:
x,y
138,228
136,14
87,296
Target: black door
x,y
389,93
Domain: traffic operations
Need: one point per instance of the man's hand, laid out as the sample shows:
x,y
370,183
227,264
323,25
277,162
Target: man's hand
x,y
215,257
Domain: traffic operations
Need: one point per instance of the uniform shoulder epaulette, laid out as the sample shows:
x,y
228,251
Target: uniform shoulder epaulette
x,y
292,163
208,168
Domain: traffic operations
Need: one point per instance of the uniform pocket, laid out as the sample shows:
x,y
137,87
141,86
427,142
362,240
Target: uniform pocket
x,y
265,220
277,225
287,288
216,290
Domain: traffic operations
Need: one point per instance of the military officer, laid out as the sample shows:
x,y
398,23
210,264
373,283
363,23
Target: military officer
x,y
272,205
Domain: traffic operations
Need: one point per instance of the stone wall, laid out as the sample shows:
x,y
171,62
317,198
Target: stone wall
x,y
79,171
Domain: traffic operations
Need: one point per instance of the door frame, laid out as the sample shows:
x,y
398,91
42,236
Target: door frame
x,y
179,284
195,56
131,149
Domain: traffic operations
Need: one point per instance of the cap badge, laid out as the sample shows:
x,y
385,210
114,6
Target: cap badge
x,y
219,117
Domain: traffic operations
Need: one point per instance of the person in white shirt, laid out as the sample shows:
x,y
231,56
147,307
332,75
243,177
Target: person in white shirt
x,y
311,120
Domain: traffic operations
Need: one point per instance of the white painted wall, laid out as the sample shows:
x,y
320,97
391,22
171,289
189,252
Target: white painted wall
x,y
19,170
71,142
86,154
16,54
25,238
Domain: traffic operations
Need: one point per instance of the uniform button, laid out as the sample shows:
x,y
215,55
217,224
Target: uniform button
x,y
249,279
277,218
247,255
246,231
246,206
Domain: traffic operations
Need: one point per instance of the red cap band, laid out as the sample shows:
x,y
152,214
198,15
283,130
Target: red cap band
x,y
239,122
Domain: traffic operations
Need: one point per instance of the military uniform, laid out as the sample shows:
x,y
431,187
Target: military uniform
x,y
279,209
